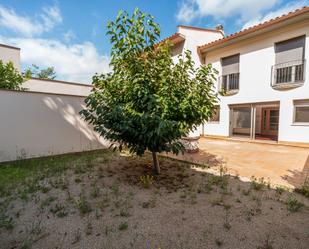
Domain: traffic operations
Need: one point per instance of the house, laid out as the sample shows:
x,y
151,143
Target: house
x,y
263,81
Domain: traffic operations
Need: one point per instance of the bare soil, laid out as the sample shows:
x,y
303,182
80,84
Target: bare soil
x,y
105,203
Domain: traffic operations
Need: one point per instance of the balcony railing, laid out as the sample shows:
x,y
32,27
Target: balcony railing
x,y
229,84
289,74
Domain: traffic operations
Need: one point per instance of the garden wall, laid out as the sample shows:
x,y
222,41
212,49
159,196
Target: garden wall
x,y
34,124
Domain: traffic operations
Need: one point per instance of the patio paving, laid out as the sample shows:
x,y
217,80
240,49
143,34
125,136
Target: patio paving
x,y
280,164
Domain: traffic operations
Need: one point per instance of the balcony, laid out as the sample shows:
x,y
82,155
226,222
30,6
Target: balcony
x,y
288,75
229,84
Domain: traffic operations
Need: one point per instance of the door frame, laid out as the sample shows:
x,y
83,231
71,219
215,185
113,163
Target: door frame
x,y
253,116
269,132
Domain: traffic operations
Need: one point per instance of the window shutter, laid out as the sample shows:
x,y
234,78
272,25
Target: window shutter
x,y
230,64
290,50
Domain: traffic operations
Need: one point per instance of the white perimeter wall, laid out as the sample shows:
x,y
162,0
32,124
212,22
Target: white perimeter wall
x,y
39,124
257,56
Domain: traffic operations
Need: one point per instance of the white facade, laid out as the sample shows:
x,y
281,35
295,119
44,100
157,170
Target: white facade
x,y
256,58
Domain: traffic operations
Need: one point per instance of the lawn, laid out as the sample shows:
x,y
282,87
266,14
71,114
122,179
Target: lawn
x,y
105,199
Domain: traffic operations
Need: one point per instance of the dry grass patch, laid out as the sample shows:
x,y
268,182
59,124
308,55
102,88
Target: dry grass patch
x,y
117,203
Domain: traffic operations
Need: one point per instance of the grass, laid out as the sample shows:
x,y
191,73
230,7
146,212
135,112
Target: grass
x,y
16,172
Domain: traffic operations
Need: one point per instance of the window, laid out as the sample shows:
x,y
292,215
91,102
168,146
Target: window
x,y
230,73
289,67
301,111
215,118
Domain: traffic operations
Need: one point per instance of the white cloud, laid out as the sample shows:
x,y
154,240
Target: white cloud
x,y
192,9
76,62
72,62
69,35
27,26
270,15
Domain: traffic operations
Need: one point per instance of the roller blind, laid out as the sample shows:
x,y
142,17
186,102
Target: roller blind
x,y
290,50
230,64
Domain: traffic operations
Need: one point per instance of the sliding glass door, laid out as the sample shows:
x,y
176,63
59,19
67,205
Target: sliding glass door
x,y
241,121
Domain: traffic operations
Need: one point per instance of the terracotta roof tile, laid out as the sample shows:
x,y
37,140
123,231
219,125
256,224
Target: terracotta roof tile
x,y
173,37
255,28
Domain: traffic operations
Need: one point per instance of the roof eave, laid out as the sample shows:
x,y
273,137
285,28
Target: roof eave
x,y
255,31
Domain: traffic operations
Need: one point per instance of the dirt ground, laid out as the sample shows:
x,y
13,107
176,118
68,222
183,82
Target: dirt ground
x,y
110,202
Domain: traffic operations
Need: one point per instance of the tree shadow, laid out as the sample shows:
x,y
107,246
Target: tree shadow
x,y
297,178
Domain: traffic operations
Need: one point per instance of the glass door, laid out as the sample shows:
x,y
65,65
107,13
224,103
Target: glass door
x,y
270,121
241,121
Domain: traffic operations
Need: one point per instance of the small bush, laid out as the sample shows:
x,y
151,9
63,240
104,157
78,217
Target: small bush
x,y
294,205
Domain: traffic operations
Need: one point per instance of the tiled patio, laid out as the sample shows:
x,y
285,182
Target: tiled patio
x,y
282,165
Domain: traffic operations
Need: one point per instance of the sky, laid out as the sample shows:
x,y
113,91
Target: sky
x,y
70,35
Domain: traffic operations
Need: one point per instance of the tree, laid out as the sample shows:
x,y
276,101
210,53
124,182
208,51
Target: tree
x,y
147,102
10,78
46,73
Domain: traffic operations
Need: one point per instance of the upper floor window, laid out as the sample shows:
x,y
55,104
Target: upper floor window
x,y
301,111
229,81
289,67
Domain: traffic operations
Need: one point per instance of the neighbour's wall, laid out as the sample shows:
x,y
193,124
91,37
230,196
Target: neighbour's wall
x,y
257,56
8,53
40,124
56,86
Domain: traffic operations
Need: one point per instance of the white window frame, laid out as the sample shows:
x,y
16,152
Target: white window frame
x,y
296,105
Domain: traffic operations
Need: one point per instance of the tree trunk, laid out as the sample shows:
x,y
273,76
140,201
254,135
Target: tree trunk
x,y
156,166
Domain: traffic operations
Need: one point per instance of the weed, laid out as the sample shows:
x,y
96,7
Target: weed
x,y
246,192
6,222
219,242
82,205
267,244
95,192
304,189
293,205
47,202
258,184
146,180
115,189
56,208
123,226
227,225
77,237
280,190
88,228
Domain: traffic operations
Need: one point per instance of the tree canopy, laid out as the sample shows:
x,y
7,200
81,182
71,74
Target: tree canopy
x,y
10,77
37,72
148,102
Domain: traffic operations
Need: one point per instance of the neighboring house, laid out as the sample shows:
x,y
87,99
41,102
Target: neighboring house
x,y
262,76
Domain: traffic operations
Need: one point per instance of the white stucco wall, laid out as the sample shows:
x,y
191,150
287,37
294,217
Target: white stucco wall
x,y
193,38
8,53
40,124
257,56
60,87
